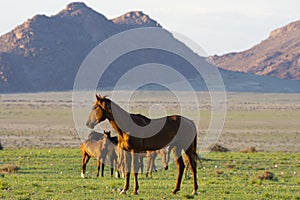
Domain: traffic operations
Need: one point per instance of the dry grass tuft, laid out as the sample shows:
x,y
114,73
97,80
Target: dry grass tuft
x,y
9,169
218,148
219,172
230,166
249,150
266,175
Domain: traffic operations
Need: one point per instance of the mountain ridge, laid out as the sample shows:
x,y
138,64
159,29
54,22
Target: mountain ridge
x,y
45,52
278,55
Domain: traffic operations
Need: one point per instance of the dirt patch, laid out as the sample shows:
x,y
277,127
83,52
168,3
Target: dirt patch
x,y
249,150
268,122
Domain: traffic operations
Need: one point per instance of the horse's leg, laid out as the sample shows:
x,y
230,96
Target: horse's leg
x,y
164,158
154,166
122,164
135,162
82,164
141,163
98,167
117,168
102,168
112,167
127,162
187,166
148,164
151,164
193,166
85,160
180,167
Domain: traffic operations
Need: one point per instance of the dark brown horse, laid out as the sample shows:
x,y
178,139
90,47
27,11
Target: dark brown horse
x,y
137,133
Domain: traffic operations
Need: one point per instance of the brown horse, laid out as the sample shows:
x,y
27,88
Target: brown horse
x,y
96,149
151,156
111,150
137,133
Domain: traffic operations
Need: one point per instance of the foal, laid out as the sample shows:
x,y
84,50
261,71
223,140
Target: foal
x,y
92,148
112,154
111,150
151,156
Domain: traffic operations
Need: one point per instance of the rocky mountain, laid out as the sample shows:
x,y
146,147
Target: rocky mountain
x,y
278,55
136,19
45,52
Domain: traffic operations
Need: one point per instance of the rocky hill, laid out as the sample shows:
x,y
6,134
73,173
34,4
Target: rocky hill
x,y
278,55
45,52
136,19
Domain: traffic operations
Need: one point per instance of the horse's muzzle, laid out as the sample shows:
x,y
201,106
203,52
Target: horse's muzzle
x,y
90,125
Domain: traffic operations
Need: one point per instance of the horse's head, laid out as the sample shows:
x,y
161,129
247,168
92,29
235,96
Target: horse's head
x,y
104,143
100,111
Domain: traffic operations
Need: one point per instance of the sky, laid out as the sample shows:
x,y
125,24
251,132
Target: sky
x,y
217,26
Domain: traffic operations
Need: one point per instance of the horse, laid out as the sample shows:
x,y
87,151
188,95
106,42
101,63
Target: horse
x,y
112,154
151,156
111,150
150,162
93,148
175,130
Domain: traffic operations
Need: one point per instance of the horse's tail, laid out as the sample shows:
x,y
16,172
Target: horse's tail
x,y
194,145
196,156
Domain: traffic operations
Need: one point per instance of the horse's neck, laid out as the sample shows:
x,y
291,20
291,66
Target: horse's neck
x,y
115,126
122,114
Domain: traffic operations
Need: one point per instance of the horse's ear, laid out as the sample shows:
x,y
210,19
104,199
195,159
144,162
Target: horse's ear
x,y
107,133
98,97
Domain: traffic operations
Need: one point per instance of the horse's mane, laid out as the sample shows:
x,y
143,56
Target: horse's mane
x,y
135,117
140,116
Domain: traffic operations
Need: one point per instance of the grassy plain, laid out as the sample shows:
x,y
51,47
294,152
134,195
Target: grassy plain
x,y
54,173
39,135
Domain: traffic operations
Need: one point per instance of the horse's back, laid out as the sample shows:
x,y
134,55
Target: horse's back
x,y
92,147
94,135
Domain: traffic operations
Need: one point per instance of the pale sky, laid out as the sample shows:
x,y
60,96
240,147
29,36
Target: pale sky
x,y
218,26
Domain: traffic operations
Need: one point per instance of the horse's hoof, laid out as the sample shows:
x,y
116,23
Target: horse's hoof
x,y
82,175
195,192
166,168
135,193
123,191
175,191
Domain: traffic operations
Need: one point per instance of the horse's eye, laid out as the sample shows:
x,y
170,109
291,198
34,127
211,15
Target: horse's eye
x,y
95,107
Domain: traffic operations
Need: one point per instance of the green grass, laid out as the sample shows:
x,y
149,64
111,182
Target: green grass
x,y
270,122
54,173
